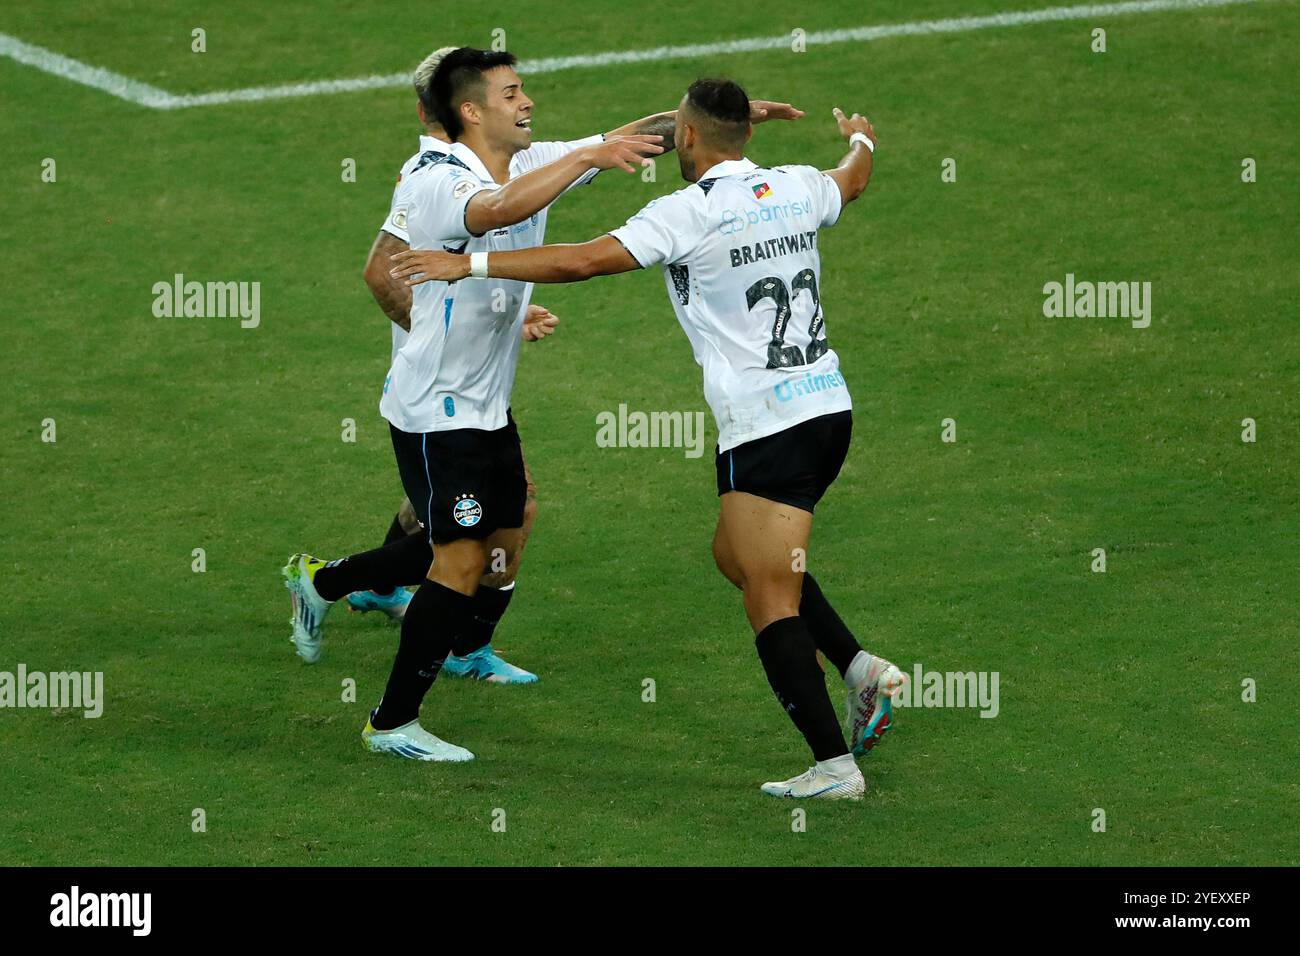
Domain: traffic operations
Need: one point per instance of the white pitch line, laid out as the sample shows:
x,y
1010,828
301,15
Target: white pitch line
x,y
106,80
143,94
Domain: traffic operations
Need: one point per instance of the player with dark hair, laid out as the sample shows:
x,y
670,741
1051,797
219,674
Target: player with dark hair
x,y
739,251
447,395
473,655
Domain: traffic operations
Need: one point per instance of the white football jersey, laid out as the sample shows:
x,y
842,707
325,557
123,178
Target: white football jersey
x,y
433,149
739,251
456,368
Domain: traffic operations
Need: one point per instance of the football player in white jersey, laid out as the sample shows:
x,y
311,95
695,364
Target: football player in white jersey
x,y
475,658
473,655
447,394
739,251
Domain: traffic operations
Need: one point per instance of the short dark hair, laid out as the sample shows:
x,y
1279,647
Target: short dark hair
x,y
724,100
460,77
724,108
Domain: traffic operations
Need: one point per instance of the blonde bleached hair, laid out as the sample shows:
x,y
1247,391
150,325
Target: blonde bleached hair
x,y
424,72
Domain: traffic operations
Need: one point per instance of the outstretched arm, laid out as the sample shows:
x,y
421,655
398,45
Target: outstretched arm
x,y
854,171
558,263
665,124
534,191
394,295
656,124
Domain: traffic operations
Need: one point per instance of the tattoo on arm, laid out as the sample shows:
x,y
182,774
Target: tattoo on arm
x,y
393,295
662,124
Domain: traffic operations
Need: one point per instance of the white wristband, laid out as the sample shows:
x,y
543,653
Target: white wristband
x,y
478,268
864,140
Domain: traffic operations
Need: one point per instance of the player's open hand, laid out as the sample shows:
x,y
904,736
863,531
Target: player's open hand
x,y
428,265
538,323
760,111
854,124
623,151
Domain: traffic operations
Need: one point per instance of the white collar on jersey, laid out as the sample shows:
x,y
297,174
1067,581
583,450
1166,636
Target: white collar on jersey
x,y
471,160
729,167
428,142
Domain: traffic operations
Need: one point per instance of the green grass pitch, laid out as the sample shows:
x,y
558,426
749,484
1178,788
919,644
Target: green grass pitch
x,y
1119,690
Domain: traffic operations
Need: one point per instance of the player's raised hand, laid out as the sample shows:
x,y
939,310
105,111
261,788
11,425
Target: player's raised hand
x,y
854,124
760,111
623,151
429,265
539,322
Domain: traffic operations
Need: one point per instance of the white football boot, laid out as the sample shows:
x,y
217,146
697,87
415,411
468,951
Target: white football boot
x,y
819,782
309,608
413,742
871,704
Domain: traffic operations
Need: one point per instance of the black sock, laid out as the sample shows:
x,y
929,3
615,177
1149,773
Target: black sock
x,y
489,607
404,562
395,530
832,636
395,533
790,659
434,618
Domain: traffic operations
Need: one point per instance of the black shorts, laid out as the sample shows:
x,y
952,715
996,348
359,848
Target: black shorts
x,y
794,466
464,483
